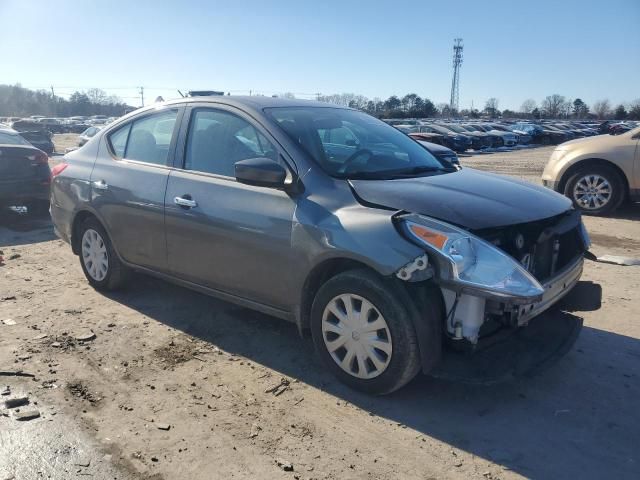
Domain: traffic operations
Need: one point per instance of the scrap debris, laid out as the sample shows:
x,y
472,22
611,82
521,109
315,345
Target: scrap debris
x,y
279,388
617,260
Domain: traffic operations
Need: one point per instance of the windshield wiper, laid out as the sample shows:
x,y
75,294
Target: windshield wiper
x,y
401,173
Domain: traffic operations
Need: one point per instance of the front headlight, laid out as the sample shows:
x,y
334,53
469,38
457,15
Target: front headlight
x,y
468,260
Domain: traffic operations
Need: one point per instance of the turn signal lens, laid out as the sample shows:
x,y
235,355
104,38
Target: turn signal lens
x,y
432,238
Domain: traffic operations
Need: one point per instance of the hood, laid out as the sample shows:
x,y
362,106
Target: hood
x,y
468,198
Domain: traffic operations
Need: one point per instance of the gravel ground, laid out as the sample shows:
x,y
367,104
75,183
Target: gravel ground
x,y
160,382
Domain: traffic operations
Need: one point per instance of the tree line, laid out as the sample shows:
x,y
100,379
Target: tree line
x,y
553,106
16,101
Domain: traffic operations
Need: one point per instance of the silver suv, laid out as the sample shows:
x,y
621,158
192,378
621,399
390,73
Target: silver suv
x,y
323,216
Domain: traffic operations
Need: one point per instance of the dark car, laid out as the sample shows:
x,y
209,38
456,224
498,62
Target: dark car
x,y
570,134
39,139
28,126
436,138
455,141
53,125
539,134
479,140
323,216
446,155
24,173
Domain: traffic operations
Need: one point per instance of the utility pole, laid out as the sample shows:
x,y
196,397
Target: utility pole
x,y
53,98
455,82
142,95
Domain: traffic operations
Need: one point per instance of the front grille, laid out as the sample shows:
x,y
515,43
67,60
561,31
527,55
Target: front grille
x,y
544,247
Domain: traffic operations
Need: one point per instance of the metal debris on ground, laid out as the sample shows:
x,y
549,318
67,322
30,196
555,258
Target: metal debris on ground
x,y
255,429
6,391
8,321
16,373
27,415
85,336
16,402
163,426
284,465
618,260
279,388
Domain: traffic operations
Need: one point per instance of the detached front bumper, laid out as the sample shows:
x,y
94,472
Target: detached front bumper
x,y
470,307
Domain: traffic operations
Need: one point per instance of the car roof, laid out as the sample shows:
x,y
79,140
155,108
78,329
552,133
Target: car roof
x,y
255,102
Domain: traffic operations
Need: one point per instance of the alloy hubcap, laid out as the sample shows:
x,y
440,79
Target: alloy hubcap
x,y
592,192
94,255
356,336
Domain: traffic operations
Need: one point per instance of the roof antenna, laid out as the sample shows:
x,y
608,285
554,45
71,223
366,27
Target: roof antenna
x,y
180,93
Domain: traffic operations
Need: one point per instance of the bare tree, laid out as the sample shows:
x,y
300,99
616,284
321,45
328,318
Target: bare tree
x,y
491,106
552,105
97,95
288,95
528,106
602,108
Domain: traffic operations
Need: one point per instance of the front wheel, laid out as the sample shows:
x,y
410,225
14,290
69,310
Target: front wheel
x,y
98,259
595,190
364,333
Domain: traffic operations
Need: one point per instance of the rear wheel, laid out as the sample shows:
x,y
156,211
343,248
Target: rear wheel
x,y
98,259
596,190
364,333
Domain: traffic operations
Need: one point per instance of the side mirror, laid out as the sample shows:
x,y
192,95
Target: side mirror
x,y
261,172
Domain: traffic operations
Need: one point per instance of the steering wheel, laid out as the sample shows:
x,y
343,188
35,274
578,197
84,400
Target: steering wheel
x,y
353,157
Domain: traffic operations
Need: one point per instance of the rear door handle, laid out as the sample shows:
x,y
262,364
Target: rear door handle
x,y
101,185
185,201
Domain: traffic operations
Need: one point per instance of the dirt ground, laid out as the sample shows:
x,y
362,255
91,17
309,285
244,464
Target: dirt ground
x,y
160,382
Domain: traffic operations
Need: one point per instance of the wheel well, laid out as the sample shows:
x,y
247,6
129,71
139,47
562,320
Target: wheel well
x,y
318,276
77,221
593,162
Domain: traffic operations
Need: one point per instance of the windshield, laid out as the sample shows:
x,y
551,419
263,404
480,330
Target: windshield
x,y
351,144
455,128
12,139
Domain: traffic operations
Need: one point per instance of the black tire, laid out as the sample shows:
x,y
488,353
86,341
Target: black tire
x,y
395,307
117,273
616,182
38,208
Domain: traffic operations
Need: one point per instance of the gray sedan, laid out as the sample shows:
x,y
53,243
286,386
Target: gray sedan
x,y
320,215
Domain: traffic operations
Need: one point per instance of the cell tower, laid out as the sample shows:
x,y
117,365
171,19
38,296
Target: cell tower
x,y
455,83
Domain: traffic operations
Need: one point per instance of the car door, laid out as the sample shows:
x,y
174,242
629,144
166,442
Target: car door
x,y
222,234
129,181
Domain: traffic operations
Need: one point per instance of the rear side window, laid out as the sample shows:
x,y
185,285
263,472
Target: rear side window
x,y
12,139
145,140
118,140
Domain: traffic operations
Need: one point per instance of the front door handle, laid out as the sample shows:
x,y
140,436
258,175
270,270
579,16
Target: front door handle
x,y
185,201
101,185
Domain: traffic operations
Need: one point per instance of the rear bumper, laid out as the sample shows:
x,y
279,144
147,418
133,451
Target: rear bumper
x,y
21,190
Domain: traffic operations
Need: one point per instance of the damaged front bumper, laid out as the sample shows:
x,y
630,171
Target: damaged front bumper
x,y
468,308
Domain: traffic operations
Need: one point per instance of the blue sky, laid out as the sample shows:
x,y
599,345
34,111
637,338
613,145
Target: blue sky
x,y
514,50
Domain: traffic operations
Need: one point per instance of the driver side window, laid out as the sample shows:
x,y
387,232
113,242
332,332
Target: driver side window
x,y
218,139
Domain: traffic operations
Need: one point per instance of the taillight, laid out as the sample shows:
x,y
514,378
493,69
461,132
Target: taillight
x,y
58,169
39,158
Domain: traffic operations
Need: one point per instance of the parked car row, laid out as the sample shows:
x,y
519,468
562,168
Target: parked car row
x,y
77,124
480,135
